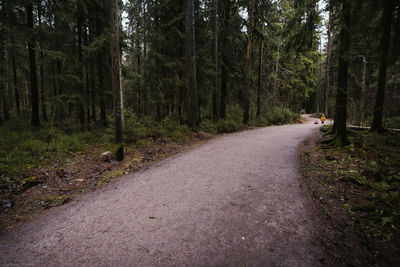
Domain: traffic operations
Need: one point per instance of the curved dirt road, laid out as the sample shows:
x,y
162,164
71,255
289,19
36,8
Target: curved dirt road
x,y
235,200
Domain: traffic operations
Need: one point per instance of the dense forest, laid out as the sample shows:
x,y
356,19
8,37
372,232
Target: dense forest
x,y
84,82
195,61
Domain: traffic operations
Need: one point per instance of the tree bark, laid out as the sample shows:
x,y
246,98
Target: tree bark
x,y
386,21
260,69
100,75
192,110
16,91
341,95
32,68
115,62
41,70
225,59
80,68
87,82
328,56
4,80
246,105
215,55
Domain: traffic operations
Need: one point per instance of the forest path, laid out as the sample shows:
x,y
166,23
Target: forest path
x,y
235,200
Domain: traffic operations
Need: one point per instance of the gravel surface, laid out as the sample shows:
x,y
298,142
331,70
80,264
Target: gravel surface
x,y
236,200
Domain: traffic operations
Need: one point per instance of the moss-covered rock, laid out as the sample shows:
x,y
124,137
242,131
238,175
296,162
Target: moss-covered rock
x,y
29,182
119,152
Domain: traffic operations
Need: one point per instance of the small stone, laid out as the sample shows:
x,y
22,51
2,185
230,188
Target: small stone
x,y
106,156
7,203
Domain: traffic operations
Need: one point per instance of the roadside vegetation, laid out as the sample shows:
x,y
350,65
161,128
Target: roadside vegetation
x,y
360,182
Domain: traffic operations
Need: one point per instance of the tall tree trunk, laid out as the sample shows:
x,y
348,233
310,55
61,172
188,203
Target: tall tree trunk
x,y
275,91
115,62
4,80
215,55
225,58
319,82
260,69
41,70
103,116
100,73
32,68
386,21
93,92
80,69
328,56
341,94
87,83
192,109
16,91
246,106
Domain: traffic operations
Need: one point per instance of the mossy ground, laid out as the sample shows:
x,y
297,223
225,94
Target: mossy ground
x,y
361,182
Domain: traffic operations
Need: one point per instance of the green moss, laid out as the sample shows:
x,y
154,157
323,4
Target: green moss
x,y
55,200
119,152
29,182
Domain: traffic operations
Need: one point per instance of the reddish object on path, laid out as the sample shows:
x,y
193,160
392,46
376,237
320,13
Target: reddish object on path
x,y
315,122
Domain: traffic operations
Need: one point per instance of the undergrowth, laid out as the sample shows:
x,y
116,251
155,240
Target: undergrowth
x,y
366,178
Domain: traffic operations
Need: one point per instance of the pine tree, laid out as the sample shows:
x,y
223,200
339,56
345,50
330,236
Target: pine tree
x,y
386,22
32,68
341,94
192,112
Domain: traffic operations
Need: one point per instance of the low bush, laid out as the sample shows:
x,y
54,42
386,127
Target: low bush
x,y
393,122
279,115
208,126
228,126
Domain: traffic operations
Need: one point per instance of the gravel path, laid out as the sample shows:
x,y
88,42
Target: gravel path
x,y
235,200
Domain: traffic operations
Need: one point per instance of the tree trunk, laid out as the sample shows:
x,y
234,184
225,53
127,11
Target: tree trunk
x,y
87,83
319,82
32,69
246,106
386,21
4,80
41,71
275,91
328,56
80,69
93,92
215,55
225,59
16,91
115,62
341,95
260,70
192,109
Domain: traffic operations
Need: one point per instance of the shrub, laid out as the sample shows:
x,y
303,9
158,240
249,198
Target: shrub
x,y
228,126
180,133
393,122
279,115
208,127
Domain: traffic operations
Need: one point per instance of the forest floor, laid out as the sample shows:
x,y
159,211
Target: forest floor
x,y
234,200
356,190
